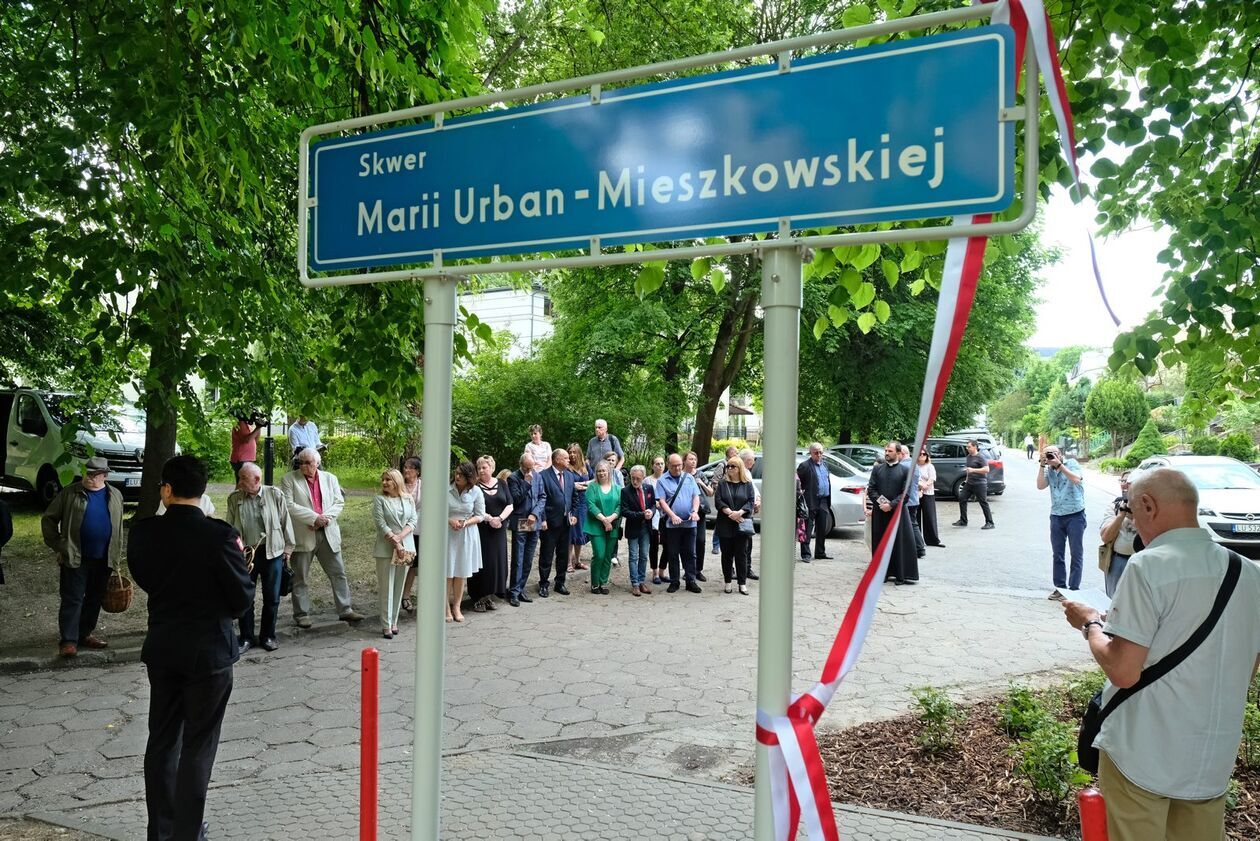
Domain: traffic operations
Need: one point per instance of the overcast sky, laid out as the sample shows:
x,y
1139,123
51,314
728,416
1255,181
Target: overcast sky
x,y
1071,311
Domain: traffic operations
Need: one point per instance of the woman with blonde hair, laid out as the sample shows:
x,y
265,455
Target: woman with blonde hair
x,y
603,510
577,532
394,513
465,506
734,500
491,579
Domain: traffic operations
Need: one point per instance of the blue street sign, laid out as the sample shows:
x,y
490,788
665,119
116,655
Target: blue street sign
x,y
905,130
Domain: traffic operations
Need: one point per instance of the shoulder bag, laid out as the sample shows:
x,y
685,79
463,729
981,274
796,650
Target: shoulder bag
x,y
1096,713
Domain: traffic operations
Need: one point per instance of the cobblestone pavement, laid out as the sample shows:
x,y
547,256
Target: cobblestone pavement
x,y
661,685
497,794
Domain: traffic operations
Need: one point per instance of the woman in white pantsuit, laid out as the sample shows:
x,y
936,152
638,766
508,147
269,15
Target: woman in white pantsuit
x,y
466,507
394,512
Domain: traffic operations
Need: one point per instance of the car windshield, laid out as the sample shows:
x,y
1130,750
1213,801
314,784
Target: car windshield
x,y
1221,476
64,408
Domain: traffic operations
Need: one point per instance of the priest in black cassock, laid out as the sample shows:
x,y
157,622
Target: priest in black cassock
x,y
888,481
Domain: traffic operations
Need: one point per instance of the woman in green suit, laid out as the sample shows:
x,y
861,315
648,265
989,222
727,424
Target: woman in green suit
x,y
603,508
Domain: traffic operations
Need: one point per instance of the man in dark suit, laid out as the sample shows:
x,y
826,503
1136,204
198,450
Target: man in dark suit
x,y
529,497
194,570
816,482
560,483
638,501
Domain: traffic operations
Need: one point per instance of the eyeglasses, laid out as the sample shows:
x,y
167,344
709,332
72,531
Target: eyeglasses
x,y
732,467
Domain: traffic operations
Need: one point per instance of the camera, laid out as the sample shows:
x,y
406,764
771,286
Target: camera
x,y
255,417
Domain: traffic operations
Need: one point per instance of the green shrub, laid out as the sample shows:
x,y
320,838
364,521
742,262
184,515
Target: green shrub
x,y
720,444
1048,761
1022,711
354,451
1113,465
1080,689
939,719
1148,443
1238,445
210,442
1167,418
1249,748
1204,445
1100,451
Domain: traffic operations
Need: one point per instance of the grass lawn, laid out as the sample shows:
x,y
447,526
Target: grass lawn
x,y
29,600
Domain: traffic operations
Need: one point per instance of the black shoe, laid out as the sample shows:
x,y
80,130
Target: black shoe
x,y
562,590
909,581
937,545
693,587
700,577
805,556
986,526
522,596
752,576
270,645
823,557
204,833
960,523
672,588
514,601
542,590
594,590
805,559
246,645
603,591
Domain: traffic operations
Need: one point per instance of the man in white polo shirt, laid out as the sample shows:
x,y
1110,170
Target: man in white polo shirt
x,y
1167,753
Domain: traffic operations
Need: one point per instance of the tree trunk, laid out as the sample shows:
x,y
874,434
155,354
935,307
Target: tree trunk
x,y
727,356
160,427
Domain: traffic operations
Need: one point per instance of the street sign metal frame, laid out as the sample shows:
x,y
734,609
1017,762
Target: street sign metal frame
x,y
595,83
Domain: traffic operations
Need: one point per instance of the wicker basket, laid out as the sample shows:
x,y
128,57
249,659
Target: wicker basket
x,y
118,593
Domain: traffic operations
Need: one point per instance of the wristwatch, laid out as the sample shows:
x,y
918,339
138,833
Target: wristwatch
x,y
1085,627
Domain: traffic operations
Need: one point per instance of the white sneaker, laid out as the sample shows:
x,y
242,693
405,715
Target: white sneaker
x,y
615,562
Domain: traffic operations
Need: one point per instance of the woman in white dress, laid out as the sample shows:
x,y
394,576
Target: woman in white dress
x,y
466,507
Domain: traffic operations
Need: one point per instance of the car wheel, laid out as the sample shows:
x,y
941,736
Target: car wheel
x,y
957,488
831,523
48,485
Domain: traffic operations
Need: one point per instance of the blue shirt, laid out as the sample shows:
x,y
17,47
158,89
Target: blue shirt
x,y
96,529
687,493
912,499
824,478
1066,496
301,437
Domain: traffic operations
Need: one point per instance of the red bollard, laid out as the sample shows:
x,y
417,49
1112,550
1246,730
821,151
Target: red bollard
x,y
369,741
1093,811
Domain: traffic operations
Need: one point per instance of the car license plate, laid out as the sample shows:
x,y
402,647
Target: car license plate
x,y
132,482
1249,528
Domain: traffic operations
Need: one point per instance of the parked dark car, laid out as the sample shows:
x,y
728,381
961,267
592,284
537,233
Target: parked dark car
x,y
949,455
865,455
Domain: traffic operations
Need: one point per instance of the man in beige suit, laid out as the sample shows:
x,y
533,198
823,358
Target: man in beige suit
x,y
315,501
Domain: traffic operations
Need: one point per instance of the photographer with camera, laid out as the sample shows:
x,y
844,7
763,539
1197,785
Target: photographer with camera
x,y
245,439
1120,538
1067,515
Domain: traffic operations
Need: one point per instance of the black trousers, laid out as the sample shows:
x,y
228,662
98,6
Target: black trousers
x,y
680,548
927,520
913,511
978,490
654,549
82,588
819,516
735,553
553,547
701,547
185,715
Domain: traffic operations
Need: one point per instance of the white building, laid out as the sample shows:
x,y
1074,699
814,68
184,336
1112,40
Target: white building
x,y
523,313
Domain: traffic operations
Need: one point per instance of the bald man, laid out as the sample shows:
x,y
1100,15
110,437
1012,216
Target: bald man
x,y
1167,752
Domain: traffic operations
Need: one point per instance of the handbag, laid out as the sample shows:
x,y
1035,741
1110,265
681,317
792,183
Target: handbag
x,y
1104,556
1096,713
286,578
118,593
402,557
746,527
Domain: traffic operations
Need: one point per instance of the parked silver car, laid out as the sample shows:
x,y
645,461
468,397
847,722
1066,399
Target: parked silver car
x,y
1229,498
864,455
848,488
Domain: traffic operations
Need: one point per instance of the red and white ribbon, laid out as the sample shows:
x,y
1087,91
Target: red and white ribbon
x,y
798,780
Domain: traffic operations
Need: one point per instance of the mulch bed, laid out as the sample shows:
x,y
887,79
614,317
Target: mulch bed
x,y
879,765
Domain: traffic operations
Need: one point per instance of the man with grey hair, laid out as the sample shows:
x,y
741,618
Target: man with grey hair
x,y
261,514
602,444
315,502
1173,786
816,482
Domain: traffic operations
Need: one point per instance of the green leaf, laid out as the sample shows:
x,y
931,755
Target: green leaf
x,y
916,287
912,261
864,295
882,311
858,15
717,279
837,315
891,272
866,321
820,327
650,278
850,280
867,256
700,267
597,37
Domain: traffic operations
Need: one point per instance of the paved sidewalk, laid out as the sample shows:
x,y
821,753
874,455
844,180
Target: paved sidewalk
x,y
649,690
505,795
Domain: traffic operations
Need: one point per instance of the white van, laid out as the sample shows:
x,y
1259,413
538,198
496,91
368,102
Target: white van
x,y
32,423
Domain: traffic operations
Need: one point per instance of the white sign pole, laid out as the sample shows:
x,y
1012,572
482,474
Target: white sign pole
x,y
439,333
781,298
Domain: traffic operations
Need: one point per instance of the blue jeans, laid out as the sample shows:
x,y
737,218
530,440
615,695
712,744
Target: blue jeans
x,y
639,549
524,544
269,571
1068,528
